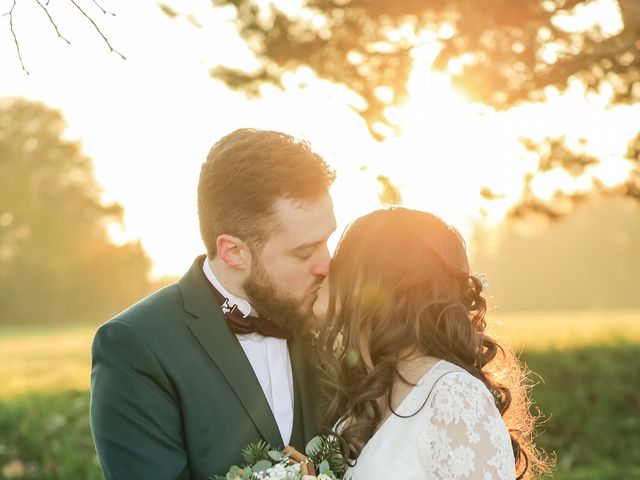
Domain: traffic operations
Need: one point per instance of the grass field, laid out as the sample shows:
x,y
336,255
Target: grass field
x,y
56,359
44,360
590,394
562,330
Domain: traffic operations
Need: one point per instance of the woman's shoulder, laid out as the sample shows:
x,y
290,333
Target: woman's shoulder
x,y
452,386
447,372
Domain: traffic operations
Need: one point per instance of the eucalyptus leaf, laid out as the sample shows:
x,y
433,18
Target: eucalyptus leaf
x,y
247,474
261,466
276,455
234,473
325,468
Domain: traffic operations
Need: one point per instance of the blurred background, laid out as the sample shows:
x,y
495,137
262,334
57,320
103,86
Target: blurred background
x,y
517,122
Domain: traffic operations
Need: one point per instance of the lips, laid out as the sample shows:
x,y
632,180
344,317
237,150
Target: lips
x,y
313,293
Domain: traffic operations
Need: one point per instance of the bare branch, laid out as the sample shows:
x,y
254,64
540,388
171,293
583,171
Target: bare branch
x,y
43,5
15,39
103,10
98,30
52,22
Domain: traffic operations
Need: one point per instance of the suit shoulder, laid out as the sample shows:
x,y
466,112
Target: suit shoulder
x,y
159,309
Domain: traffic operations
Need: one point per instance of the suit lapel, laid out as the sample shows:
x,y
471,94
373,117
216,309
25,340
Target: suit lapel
x,y
212,332
300,350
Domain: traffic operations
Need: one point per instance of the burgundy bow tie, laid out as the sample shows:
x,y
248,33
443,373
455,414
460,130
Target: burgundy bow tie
x,y
242,325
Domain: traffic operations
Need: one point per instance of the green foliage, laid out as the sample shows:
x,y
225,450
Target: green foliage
x,y
591,399
326,451
323,452
57,262
47,437
256,452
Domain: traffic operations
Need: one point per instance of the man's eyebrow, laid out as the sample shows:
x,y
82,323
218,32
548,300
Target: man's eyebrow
x,y
307,245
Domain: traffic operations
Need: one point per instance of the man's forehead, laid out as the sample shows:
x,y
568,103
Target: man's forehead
x,y
304,221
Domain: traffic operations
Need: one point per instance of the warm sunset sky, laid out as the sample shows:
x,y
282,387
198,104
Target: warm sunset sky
x,y
149,121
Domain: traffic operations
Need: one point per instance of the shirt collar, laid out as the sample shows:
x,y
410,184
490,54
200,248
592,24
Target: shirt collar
x,y
243,305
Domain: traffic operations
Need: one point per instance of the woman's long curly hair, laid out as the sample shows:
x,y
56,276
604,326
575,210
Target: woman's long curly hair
x,y
400,282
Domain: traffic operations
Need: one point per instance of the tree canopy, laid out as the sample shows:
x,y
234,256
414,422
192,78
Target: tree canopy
x,y
498,52
57,261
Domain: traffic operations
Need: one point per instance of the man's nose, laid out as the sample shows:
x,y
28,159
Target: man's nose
x,y
321,267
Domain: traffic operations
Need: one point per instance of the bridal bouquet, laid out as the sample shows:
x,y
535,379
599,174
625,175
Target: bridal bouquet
x,y
323,461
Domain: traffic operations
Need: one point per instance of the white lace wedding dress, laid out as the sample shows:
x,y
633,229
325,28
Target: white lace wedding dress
x,y
458,434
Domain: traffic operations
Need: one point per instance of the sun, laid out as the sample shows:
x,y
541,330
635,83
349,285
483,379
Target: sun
x,y
448,148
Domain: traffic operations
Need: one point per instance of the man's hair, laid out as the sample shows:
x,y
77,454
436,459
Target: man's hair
x,y
245,173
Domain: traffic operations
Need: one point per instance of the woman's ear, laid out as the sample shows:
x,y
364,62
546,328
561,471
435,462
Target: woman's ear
x,y
233,252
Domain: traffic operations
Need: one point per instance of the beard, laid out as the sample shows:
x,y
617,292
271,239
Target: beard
x,y
285,311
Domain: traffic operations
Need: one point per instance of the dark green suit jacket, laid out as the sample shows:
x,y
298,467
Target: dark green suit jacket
x,y
173,395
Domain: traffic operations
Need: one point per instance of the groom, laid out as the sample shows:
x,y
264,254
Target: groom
x,y
183,380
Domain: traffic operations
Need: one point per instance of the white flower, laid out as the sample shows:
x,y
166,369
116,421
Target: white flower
x,y
282,471
322,476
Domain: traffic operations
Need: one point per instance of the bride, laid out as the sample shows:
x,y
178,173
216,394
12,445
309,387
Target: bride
x,y
415,387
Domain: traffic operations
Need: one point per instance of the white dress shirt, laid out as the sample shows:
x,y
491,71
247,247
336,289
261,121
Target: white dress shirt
x,y
269,358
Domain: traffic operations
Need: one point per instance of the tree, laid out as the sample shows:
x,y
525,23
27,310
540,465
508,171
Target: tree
x,y
57,262
498,52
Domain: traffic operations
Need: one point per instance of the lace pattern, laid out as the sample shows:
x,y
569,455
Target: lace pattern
x,y
458,434
465,436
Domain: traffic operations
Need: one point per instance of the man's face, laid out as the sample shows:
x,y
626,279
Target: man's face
x,y
286,274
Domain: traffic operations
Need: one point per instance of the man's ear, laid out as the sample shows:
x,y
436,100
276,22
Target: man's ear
x,y
233,251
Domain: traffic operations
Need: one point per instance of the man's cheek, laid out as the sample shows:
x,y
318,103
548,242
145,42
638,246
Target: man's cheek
x,y
296,279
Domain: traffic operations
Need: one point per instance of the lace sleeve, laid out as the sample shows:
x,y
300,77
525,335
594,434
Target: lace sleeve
x,y
465,436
